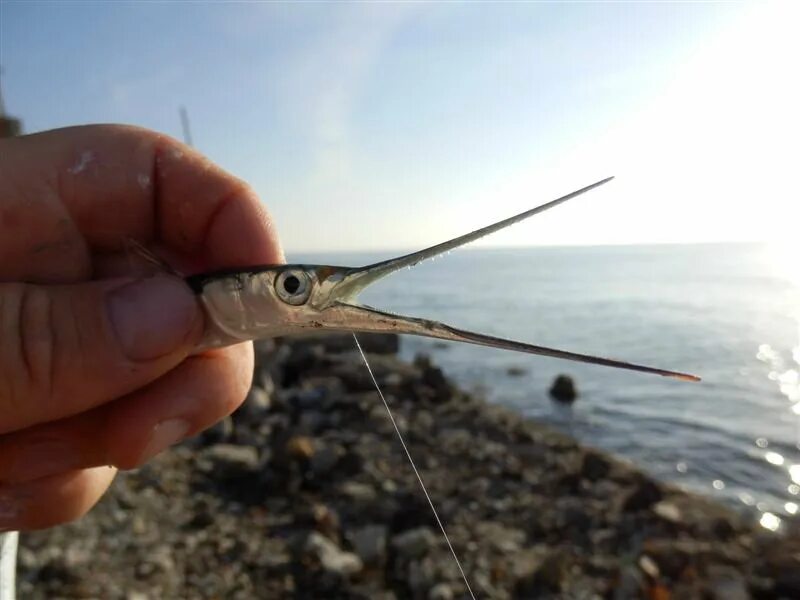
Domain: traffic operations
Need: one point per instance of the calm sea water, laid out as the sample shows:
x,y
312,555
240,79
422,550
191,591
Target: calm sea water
x,y
729,313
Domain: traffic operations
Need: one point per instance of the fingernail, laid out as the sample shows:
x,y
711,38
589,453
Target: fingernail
x,y
153,317
164,435
9,511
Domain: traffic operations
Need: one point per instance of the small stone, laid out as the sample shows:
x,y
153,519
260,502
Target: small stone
x,y
258,400
667,511
525,563
325,458
232,457
392,380
648,567
300,447
414,543
27,558
361,493
515,371
424,421
503,539
326,520
330,557
441,591
369,543
563,389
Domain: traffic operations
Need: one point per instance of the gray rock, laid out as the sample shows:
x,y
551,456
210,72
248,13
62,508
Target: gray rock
x,y
326,520
258,399
330,557
649,567
667,511
325,458
231,457
441,591
414,543
524,564
360,493
369,543
423,421
563,389
504,539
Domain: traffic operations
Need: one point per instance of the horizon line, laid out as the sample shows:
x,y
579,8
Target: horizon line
x,y
400,250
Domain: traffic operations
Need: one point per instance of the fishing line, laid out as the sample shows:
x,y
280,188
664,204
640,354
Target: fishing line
x,y
413,466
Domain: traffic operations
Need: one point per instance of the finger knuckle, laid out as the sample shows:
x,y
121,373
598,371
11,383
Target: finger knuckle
x,y
26,345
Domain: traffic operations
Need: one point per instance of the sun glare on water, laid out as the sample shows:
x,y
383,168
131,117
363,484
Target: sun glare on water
x,y
783,255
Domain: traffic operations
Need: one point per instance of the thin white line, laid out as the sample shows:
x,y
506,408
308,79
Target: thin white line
x,y
413,466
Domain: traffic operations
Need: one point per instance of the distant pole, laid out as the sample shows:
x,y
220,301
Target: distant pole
x,y
187,131
2,105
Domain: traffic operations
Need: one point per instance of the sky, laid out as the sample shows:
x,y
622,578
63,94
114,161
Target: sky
x,y
398,125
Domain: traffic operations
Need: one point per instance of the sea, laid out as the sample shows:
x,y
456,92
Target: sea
x,y
729,313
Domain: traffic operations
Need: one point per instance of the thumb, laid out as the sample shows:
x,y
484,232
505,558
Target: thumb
x,y
67,348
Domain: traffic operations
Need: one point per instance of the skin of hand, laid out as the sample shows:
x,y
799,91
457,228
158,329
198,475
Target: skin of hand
x,y
97,370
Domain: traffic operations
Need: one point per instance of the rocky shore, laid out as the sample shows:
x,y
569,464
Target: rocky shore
x,y
305,492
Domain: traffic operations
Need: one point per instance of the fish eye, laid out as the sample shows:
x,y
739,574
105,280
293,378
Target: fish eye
x,y
293,286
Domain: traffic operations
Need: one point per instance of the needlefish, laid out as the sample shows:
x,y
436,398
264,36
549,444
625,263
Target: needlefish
x,y
279,300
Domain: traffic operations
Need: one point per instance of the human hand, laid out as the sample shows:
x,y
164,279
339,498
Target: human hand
x,y
96,371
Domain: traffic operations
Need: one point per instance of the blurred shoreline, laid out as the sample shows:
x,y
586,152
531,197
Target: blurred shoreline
x,y
305,492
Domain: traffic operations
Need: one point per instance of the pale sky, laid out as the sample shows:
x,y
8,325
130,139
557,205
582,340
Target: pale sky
x,y
398,125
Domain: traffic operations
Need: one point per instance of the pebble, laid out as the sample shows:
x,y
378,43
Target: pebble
x,y
414,543
233,457
300,447
441,591
667,511
331,557
369,542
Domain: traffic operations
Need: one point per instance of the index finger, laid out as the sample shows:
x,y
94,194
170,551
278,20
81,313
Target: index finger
x,y
119,182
